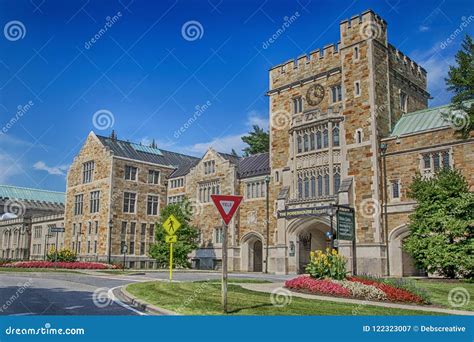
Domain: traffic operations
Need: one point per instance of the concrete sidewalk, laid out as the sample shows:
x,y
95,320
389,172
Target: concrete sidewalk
x,y
270,287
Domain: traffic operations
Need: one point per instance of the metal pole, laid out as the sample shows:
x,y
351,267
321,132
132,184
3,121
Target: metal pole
x,y
56,248
44,251
124,253
332,229
268,225
224,269
110,243
171,262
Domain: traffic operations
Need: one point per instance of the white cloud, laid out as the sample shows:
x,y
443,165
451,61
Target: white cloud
x,y
424,28
59,170
255,118
221,144
8,168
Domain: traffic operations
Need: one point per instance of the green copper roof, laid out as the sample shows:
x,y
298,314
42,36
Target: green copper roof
x,y
424,120
14,192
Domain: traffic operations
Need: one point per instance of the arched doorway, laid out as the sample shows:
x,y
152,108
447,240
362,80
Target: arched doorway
x,y
401,262
252,252
310,234
257,256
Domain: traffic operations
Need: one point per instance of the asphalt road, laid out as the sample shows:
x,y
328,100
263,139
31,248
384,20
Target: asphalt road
x,y
62,293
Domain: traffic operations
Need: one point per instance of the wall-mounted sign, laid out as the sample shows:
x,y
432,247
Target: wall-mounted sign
x,y
345,223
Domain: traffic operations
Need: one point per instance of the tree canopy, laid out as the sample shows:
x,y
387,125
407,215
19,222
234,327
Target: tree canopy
x,y
258,141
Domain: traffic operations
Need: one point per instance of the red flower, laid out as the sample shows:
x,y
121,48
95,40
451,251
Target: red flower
x,y
61,264
317,286
393,293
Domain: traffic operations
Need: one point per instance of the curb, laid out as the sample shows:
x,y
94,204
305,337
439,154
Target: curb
x,y
142,305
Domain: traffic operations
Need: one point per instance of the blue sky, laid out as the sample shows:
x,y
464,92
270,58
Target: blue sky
x,y
147,75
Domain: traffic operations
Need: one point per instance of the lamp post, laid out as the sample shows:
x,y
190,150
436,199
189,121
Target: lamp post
x,y
267,221
383,151
47,236
111,225
124,251
333,234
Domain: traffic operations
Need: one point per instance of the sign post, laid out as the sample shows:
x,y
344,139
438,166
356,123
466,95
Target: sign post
x,y
56,230
346,230
171,225
227,206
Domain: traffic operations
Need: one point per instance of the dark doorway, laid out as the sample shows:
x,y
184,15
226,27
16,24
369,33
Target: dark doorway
x,y
304,251
257,256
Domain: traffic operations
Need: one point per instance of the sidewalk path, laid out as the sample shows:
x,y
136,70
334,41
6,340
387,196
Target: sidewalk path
x,y
270,287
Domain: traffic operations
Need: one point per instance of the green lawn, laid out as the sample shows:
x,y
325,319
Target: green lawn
x,y
439,292
193,298
236,281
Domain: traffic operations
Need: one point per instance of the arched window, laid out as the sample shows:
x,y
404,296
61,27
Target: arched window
x,y
306,143
320,185
325,137
335,135
300,188
300,148
326,184
337,182
306,187
311,141
319,144
313,186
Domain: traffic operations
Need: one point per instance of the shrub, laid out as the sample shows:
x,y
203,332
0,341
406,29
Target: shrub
x,y
360,290
64,254
327,265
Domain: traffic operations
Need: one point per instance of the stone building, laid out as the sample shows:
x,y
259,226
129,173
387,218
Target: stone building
x,y
115,190
333,115
22,210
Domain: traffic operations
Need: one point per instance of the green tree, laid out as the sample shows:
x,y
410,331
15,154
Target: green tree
x,y
187,236
258,141
461,82
442,225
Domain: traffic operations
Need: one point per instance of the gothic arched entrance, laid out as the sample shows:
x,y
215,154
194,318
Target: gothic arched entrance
x,y
257,256
252,252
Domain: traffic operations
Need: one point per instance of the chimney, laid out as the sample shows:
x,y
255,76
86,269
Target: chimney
x,y
113,135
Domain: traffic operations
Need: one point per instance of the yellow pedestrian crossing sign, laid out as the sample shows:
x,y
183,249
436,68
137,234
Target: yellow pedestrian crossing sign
x,y
171,225
171,238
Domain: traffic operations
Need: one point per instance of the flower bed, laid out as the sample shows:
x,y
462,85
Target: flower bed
x,y
354,287
61,264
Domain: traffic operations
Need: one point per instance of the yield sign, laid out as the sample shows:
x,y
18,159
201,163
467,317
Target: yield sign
x,y
227,205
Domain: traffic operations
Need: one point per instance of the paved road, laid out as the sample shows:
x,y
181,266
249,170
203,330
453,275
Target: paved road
x,y
62,293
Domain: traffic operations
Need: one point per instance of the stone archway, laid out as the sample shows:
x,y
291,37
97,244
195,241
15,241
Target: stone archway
x,y
252,252
401,263
309,234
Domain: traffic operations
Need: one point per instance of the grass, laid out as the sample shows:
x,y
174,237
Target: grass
x,y
235,281
439,292
193,298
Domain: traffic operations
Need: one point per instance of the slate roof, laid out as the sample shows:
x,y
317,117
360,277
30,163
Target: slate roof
x,y
255,165
423,120
27,194
126,149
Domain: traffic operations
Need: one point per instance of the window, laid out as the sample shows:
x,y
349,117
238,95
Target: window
x,y
320,185
153,176
326,184
152,230
95,247
177,183
143,229
129,199
325,137
152,205
306,142
124,228
87,171
142,248
94,201
300,145
319,144
312,145
132,228
433,161
78,204
336,92
96,227
89,227
38,231
446,160
131,173
132,247
209,167
313,186
359,136
88,247
218,235
357,88
335,135
306,187
403,101
176,199
356,52
395,189
256,189
337,182
426,161
436,161
73,229
297,105
208,189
